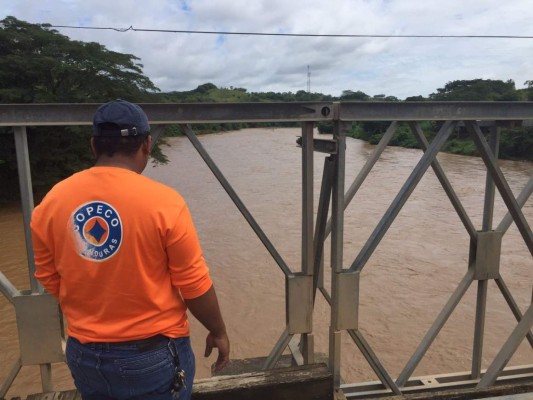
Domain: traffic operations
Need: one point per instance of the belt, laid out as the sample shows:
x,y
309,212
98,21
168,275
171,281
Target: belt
x,y
142,345
147,344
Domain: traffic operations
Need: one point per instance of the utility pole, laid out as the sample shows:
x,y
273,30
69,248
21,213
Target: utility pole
x,y
308,79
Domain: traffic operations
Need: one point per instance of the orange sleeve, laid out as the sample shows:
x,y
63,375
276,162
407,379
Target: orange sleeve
x,y
188,269
45,269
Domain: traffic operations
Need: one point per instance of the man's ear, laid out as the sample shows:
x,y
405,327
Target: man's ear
x,y
147,144
93,148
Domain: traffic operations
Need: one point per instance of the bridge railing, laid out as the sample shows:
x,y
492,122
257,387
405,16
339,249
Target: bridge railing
x,y
38,315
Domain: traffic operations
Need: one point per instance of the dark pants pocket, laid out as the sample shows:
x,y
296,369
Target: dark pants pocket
x,y
145,373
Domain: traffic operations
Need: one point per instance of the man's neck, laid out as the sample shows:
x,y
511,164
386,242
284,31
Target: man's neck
x,y
119,161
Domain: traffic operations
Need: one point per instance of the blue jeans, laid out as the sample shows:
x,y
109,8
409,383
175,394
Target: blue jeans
x,y
105,371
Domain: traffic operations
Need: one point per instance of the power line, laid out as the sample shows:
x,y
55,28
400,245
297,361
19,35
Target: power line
x,y
131,28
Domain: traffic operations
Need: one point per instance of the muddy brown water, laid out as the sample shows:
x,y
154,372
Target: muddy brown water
x,y
404,285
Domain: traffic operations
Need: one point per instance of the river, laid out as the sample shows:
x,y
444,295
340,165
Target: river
x,y
404,285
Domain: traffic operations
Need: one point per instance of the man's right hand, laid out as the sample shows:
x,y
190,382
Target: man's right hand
x,y
221,342
206,310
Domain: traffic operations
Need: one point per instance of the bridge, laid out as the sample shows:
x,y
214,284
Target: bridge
x,y
40,330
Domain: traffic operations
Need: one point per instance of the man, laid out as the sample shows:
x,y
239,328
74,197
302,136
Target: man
x,y
120,253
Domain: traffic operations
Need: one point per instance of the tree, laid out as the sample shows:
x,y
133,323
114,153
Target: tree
x,y
383,97
415,98
39,65
517,143
206,87
528,92
351,95
477,90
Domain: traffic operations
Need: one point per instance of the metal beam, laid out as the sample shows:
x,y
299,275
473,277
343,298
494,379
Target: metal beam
x,y
490,188
10,378
337,202
46,377
278,349
167,113
170,113
337,246
435,110
307,252
334,360
406,190
238,202
307,198
520,200
479,328
482,287
156,133
26,195
373,361
321,218
512,305
326,295
7,288
499,179
460,383
508,349
295,349
376,154
445,183
436,327
307,347
321,145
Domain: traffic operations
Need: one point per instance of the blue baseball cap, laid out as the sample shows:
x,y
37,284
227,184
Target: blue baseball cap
x,y
120,118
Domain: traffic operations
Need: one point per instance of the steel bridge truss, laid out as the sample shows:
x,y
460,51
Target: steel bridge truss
x,y
38,316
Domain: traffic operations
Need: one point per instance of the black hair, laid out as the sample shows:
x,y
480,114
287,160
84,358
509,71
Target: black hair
x,y
109,145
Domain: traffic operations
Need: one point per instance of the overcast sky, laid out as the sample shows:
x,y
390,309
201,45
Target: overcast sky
x,y
399,67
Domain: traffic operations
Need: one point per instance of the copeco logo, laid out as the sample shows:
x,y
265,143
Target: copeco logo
x,y
97,230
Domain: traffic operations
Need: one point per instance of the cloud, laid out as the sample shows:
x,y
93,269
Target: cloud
x,y
395,66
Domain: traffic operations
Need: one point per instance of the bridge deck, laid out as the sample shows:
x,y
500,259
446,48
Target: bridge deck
x,y
74,395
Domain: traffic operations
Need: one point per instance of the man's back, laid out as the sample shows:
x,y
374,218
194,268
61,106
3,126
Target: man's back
x,y
112,233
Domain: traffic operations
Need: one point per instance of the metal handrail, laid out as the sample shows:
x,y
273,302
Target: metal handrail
x,y
343,316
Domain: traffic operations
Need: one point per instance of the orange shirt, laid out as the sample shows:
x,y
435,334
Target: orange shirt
x,y
120,252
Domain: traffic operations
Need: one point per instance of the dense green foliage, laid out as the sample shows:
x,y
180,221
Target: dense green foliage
x,y
210,93
39,65
478,90
516,143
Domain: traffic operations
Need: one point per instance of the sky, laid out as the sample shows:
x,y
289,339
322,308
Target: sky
x,y
400,67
